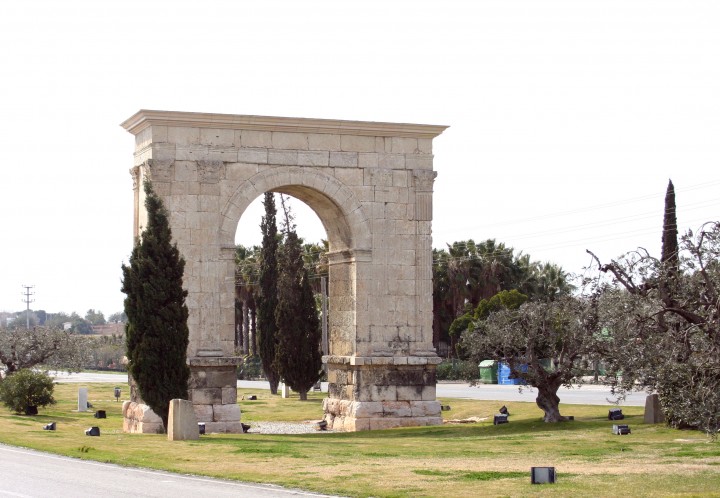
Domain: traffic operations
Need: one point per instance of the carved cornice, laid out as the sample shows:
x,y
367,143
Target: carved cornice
x,y
144,118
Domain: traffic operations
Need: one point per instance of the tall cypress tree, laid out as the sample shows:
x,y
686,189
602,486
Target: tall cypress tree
x,y
298,353
669,254
267,295
156,331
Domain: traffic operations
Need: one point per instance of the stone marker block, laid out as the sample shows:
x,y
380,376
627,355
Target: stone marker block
x,y
82,399
182,423
653,412
285,390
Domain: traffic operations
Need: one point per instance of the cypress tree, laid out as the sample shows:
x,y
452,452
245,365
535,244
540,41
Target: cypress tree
x,y
156,331
298,353
669,260
669,253
267,293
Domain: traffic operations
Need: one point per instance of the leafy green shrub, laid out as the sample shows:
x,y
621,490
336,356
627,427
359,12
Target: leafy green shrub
x,y
457,370
26,388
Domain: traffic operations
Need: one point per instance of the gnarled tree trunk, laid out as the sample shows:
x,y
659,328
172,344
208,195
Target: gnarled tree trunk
x,y
548,401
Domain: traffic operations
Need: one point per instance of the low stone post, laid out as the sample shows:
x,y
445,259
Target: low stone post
x,y
653,411
182,423
82,399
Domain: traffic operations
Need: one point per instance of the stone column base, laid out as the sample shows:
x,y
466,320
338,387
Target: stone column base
x,y
345,415
213,392
383,392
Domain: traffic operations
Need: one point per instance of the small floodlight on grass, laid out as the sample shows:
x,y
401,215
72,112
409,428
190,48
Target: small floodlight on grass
x,y
542,475
201,427
500,418
445,408
100,414
49,427
615,414
93,431
621,429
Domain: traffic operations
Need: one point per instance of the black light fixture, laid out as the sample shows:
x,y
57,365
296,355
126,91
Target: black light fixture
x,y
117,394
621,429
542,475
500,418
201,427
445,408
49,427
503,410
100,414
93,431
615,414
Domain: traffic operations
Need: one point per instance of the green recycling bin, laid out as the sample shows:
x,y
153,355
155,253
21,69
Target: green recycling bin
x,y
488,372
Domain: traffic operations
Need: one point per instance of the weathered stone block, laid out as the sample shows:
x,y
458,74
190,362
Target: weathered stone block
x,y
206,396
365,409
257,156
217,136
323,141
203,413
344,159
352,143
253,138
409,393
396,409
226,413
283,140
229,395
425,408
313,158
283,157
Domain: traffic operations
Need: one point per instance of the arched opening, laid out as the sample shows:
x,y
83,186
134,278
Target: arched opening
x,y
248,240
348,236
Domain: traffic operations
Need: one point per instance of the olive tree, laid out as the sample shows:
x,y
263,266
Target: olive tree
x,y
546,344
50,347
664,321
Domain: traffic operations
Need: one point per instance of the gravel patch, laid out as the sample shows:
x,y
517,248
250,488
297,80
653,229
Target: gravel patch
x,y
306,427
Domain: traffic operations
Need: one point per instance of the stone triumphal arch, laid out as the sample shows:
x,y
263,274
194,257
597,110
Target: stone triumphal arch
x,y
371,186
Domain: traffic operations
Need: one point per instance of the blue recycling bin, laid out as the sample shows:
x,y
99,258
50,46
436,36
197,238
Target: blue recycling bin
x,y
504,375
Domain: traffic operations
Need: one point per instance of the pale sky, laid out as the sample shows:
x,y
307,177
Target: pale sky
x,y
567,118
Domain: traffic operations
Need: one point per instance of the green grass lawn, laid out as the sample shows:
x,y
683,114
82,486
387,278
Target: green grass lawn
x,y
476,459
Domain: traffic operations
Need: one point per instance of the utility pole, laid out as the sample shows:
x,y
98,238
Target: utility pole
x,y
26,299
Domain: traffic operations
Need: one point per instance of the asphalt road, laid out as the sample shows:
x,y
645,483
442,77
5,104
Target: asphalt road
x,y
585,395
27,473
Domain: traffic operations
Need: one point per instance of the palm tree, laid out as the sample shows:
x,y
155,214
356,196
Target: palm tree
x,y
246,286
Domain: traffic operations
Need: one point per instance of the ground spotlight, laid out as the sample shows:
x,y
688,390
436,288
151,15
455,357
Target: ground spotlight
x,y
615,414
93,431
500,418
542,475
621,429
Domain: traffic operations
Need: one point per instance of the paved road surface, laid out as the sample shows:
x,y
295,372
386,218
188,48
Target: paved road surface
x,y
585,395
27,473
